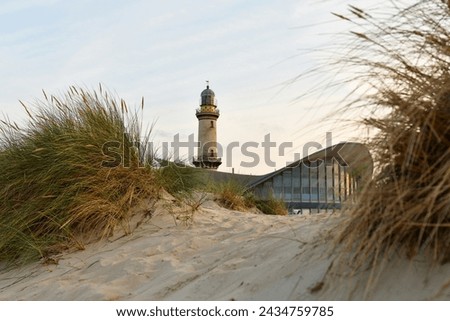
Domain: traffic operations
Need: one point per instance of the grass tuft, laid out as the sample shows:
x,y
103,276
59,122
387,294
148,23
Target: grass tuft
x,y
178,178
272,206
72,172
404,60
235,196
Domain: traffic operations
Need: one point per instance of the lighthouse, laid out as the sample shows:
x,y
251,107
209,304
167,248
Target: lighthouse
x,y
207,116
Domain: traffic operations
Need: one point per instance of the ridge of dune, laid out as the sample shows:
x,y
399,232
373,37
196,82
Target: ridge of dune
x,y
222,255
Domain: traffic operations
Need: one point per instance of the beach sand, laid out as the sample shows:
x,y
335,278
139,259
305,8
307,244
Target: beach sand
x,y
220,255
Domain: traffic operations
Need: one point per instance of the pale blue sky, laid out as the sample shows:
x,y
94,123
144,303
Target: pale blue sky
x,y
165,50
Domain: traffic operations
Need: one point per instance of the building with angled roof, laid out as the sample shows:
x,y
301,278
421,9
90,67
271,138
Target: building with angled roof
x,y
323,180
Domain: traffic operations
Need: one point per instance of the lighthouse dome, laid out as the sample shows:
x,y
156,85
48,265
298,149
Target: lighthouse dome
x,y
208,97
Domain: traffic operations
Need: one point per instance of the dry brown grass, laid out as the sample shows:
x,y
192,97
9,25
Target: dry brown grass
x,y
272,206
233,195
403,57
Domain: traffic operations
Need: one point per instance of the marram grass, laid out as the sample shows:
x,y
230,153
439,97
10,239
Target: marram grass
x,y
235,196
55,189
403,57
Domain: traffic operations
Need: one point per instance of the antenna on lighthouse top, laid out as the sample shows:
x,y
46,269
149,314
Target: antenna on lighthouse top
x,y
207,84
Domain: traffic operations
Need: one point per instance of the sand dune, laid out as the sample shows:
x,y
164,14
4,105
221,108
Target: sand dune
x,y
221,255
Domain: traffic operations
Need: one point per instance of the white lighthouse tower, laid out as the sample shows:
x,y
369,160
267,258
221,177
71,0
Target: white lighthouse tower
x,y
207,116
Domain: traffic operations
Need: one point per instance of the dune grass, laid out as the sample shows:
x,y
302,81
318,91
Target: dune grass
x,y
177,178
235,196
60,183
272,206
404,57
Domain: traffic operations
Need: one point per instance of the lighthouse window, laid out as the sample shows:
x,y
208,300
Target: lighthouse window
x,y
212,124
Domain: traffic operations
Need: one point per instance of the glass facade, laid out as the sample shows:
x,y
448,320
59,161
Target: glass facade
x,y
313,185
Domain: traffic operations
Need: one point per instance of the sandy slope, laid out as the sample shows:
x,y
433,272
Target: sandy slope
x,y
223,255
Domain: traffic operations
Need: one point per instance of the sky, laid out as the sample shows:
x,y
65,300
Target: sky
x,y
250,51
